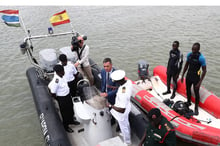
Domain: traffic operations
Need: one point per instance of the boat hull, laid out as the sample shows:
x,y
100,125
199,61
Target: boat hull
x,y
51,125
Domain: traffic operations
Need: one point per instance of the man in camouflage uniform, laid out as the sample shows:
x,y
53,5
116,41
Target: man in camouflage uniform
x,y
159,132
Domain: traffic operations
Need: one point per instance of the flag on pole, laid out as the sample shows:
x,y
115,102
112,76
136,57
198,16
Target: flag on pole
x,y
59,18
11,17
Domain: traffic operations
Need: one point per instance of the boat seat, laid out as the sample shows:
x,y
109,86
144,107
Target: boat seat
x,y
146,84
81,112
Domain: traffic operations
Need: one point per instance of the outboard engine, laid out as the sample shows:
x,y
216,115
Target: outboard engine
x,y
143,72
48,59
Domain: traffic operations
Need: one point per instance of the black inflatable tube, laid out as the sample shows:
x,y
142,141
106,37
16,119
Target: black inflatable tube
x,y
50,122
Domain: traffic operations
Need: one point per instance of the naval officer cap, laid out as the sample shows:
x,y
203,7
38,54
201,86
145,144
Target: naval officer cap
x,y
118,75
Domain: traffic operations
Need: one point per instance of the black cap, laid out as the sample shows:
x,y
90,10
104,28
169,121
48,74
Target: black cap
x,y
154,113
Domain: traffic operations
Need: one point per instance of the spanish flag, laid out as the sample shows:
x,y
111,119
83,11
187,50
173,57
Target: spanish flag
x,y
59,18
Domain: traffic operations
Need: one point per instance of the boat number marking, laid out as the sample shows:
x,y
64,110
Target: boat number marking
x,y
44,128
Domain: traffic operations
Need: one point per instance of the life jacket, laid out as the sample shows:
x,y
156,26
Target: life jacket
x,y
194,64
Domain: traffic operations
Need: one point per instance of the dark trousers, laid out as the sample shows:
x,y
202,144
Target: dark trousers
x,y
174,76
72,85
66,109
192,80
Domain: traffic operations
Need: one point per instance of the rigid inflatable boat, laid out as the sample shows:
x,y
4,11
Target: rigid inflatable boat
x,y
95,120
203,129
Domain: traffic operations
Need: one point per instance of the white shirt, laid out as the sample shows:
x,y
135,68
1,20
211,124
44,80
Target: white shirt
x,y
70,71
122,100
108,76
59,86
84,56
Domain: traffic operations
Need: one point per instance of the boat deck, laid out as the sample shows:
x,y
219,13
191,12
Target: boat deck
x,y
78,137
158,87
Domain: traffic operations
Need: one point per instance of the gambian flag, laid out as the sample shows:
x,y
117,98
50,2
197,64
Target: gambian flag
x,y
59,18
11,17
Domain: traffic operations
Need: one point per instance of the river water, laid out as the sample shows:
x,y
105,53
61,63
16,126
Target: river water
x,y
124,33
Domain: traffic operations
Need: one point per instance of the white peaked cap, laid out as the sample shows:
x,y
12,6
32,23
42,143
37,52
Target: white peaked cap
x,y
118,75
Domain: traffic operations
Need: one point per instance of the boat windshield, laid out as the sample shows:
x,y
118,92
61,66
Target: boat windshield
x,y
93,98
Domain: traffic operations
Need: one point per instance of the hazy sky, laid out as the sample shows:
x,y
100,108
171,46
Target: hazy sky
x,y
108,2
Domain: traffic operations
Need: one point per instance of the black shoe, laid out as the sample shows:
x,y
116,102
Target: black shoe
x,y
188,103
167,92
196,112
172,96
68,129
75,122
117,128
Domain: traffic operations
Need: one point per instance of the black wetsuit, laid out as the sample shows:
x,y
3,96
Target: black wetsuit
x,y
173,68
193,76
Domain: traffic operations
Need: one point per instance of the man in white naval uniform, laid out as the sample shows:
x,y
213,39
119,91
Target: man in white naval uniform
x,y
59,89
122,107
70,73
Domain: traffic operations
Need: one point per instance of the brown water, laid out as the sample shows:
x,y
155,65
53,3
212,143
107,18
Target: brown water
x,y
126,34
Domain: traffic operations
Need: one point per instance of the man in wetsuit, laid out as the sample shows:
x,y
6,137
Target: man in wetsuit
x,y
174,67
159,132
195,60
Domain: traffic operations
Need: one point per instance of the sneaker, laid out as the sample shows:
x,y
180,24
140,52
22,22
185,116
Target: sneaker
x,y
167,92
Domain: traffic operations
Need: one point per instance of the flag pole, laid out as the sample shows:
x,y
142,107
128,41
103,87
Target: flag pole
x,y
73,30
25,30
23,26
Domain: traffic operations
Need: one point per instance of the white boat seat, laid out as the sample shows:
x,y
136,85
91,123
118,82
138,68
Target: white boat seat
x,y
81,112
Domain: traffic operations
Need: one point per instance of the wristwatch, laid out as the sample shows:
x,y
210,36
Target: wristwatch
x,y
109,105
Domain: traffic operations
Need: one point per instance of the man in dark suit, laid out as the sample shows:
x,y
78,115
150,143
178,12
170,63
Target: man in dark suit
x,y
108,87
